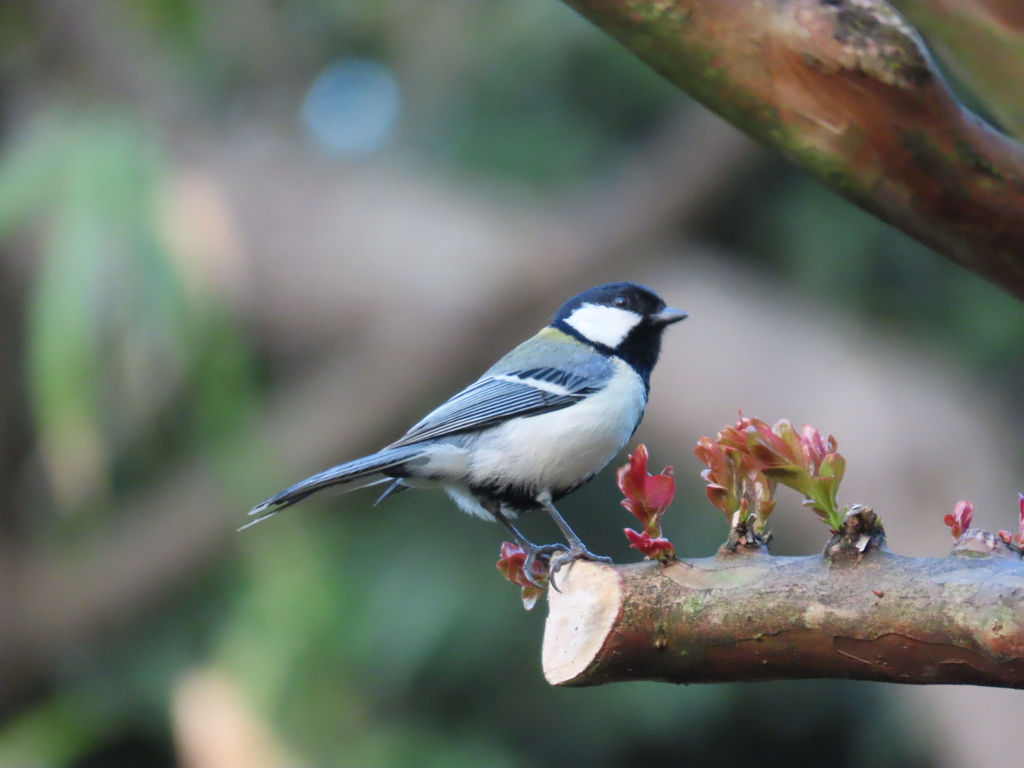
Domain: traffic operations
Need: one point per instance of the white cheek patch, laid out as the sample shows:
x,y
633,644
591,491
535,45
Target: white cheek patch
x,y
603,325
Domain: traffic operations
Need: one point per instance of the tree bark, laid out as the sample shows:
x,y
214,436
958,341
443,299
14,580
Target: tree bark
x,y
982,42
752,616
847,90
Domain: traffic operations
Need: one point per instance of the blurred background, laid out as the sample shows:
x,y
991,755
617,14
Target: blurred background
x,y
243,241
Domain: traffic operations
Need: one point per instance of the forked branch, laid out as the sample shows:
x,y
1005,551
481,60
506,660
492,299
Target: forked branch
x,y
847,90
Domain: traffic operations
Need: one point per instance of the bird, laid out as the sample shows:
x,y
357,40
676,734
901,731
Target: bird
x,y
537,425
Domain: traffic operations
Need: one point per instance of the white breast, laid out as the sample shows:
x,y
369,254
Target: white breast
x,y
558,449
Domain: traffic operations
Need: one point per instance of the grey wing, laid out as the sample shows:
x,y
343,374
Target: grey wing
x,y
497,398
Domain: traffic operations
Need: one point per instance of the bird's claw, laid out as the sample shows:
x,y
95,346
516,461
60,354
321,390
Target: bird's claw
x,y
542,551
570,556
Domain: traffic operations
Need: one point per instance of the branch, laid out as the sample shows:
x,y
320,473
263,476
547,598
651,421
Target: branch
x,y
857,611
750,617
982,41
847,90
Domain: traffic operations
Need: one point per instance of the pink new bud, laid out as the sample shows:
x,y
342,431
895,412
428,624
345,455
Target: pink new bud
x,y
511,563
647,496
652,548
961,518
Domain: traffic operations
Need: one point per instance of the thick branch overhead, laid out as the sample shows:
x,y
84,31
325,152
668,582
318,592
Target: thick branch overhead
x,y
747,617
982,41
847,90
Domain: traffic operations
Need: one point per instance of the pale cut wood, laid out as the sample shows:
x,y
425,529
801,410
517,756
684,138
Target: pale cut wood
x,y
581,616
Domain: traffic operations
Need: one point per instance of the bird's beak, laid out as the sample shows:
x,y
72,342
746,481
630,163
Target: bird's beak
x,y
668,315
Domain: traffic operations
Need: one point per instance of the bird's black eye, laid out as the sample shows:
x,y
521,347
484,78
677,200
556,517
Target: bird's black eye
x,y
620,301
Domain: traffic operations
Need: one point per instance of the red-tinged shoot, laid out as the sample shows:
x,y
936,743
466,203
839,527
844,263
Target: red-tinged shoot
x,y
961,518
647,498
1016,540
511,565
735,483
657,548
803,461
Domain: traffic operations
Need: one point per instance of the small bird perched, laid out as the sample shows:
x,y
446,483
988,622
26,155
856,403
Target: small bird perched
x,y
537,425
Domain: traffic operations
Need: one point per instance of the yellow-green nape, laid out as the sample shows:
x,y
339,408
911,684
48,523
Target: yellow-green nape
x,y
554,334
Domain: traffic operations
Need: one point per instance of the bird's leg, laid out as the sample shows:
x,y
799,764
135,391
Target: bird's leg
x,y
576,549
533,551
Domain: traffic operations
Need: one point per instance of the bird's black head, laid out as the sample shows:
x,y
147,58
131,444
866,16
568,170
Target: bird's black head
x,y
623,319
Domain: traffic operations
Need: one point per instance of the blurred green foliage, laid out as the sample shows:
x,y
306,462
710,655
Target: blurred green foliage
x,y
797,230
117,352
551,116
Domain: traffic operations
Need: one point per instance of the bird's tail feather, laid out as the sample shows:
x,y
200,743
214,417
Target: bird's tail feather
x,y
359,473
